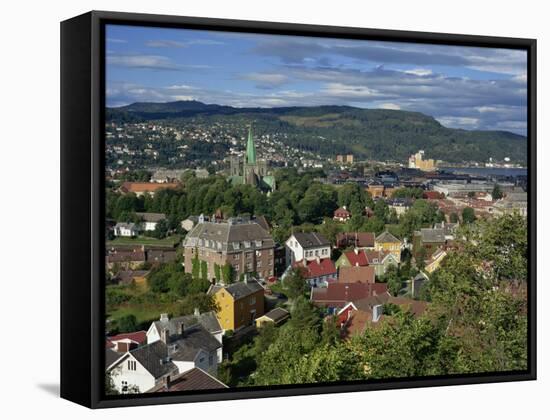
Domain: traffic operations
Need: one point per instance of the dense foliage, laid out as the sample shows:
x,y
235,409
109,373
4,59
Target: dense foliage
x,y
328,130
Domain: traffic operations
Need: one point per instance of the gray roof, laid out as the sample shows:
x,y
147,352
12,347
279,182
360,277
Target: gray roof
x,y
152,217
516,197
158,357
154,358
111,357
432,235
229,237
238,290
386,237
310,239
208,320
277,314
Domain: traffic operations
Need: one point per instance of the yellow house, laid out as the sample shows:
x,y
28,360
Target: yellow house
x,y
239,304
435,260
275,316
387,242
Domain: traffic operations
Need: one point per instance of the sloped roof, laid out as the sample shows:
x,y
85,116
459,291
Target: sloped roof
x,y
277,314
359,274
310,239
157,358
359,259
139,337
152,217
432,235
208,320
228,236
192,380
338,294
314,269
111,357
141,187
386,237
238,290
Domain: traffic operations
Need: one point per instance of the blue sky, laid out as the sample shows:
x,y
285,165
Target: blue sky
x,y
462,87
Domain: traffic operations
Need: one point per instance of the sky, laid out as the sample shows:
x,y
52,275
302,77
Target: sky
x,y
462,87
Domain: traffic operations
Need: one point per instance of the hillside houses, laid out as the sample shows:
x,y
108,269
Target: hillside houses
x,y
306,246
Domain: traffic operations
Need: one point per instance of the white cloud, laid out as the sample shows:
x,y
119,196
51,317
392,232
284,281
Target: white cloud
x,y
389,105
419,72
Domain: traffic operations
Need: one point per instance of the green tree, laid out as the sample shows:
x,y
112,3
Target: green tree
x,y
468,215
127,323
196,265
295,283
204,270
497,192
217,272
228,273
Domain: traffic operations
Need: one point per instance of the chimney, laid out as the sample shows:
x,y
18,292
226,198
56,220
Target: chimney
x,y
165,336
357,264
317,259
164,318
181,329
167,382
356,251
197,312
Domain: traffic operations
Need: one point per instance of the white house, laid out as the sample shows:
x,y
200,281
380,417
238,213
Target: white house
x,y
306,246
145,367
150,220
126,229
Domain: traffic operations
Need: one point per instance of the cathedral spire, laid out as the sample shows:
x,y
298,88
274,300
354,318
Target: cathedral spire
x,y
250,148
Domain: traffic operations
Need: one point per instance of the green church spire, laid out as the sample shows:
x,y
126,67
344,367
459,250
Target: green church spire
x,y
250,148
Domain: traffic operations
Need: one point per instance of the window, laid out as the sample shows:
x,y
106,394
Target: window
x,y
258,243
210,360
270,252
259,264
235,256
237,267
201,360
246,244
132,365
253,300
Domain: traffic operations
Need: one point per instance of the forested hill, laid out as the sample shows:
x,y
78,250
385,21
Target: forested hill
x,y
368,133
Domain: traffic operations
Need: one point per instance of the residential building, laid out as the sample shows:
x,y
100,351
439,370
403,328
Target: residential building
x,y
245,245
434,262
239,304
400,205
276,316
368,312
194,379
355,240
143,368
121,343
207,320
306,246
381,261
337,295
127,230
128,277
355,258
150,220
319,272
513,202
388,242
140,188
342,214
426,241
356,274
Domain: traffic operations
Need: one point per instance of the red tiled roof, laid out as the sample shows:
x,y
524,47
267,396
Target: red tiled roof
x,y
431,195
359,239
338,294
138,336
357,274
359,259
341,212
376,255
315,269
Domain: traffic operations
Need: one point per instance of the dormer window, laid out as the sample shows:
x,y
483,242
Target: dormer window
x,y
258,243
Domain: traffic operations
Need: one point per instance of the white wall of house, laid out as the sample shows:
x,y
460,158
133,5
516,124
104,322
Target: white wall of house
x,y
123,231
152,334
295,252
123,375
149,225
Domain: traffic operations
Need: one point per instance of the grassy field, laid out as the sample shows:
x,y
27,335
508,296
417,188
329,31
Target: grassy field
x,y
170,241
144,313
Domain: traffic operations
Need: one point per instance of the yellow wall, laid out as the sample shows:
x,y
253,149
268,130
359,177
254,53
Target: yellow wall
x,y
393,247
236,314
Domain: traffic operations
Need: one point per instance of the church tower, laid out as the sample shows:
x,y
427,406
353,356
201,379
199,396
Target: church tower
x,y
250,149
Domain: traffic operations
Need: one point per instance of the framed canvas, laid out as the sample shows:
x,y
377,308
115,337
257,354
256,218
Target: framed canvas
x,y
254,209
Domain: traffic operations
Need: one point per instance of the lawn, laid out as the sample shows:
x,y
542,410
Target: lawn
x,y
170,241
144,313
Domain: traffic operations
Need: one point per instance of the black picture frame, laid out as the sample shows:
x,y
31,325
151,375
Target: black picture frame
x,y
82,205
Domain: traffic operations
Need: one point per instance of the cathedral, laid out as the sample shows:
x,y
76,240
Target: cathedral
x,y
249,170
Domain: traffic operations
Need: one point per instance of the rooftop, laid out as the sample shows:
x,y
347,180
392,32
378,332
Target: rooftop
x,y
310,239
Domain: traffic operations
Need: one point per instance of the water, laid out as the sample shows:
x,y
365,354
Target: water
x,y
482,171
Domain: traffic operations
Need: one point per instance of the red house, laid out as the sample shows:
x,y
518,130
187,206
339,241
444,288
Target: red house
x,y
342,214
319,273
337,295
